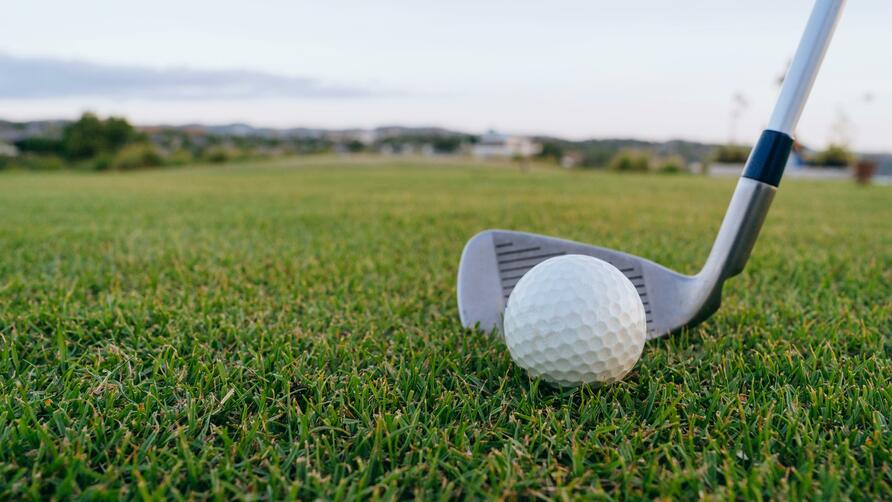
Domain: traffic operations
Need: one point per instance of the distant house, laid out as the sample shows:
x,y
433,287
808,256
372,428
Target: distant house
x,y
364,136
7,150
571,160
496,145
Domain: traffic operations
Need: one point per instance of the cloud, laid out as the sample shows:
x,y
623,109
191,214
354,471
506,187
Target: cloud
x,y
38,77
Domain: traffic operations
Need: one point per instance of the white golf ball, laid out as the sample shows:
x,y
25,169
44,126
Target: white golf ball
x,y
575,319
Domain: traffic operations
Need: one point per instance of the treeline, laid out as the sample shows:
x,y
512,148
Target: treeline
x,y
624,154
669,157
93,143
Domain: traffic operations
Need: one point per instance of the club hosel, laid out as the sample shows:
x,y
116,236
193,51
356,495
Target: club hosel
x,y
749,205
739,231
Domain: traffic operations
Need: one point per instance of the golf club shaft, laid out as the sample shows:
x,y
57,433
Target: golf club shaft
x,y
802,72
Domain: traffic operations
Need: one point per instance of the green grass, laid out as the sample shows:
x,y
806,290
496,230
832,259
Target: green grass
x,y
289,330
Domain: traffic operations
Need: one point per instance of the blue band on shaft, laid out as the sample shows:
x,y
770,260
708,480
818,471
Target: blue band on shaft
x,y
769,157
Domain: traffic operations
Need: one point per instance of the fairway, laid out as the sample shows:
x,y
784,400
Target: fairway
x,y
288,329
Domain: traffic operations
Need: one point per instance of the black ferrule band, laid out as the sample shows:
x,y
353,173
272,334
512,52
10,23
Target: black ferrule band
x,y
769,157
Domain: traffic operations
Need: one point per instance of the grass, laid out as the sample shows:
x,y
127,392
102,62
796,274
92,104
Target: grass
x,y
288,330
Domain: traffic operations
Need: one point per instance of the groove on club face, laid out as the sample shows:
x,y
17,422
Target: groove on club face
x,y
516,258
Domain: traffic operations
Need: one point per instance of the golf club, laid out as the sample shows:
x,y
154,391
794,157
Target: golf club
x,y
494,260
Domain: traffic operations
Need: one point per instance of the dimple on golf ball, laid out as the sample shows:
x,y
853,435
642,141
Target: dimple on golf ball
x,y
575,319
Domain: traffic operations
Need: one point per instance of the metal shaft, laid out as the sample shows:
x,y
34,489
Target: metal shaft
x,y
804,68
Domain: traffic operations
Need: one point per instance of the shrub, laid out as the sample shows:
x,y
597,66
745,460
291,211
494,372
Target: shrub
x,y
179,157
51,163
833,156
216,155
671,165
136,155
630,161
732,154
102,162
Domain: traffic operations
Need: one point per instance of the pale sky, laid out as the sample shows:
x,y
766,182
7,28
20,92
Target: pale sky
x,y
650,69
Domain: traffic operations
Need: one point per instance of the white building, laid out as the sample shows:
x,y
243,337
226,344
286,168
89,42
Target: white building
x,y
495,145
7,150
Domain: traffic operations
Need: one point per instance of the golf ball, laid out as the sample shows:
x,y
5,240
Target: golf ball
x,y
575,319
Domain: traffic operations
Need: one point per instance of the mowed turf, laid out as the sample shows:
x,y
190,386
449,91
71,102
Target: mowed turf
x,y
289,330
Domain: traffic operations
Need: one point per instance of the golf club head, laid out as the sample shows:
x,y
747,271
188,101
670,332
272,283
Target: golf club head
x,y
493,262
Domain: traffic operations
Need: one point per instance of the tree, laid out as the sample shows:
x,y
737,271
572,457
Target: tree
x,y
355,146
446,144
551,150
83,139
118,132
90,136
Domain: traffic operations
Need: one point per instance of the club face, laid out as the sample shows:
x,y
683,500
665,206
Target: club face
x,y
493,262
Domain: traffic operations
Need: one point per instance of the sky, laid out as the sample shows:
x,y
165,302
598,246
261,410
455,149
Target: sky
x,y
650,69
